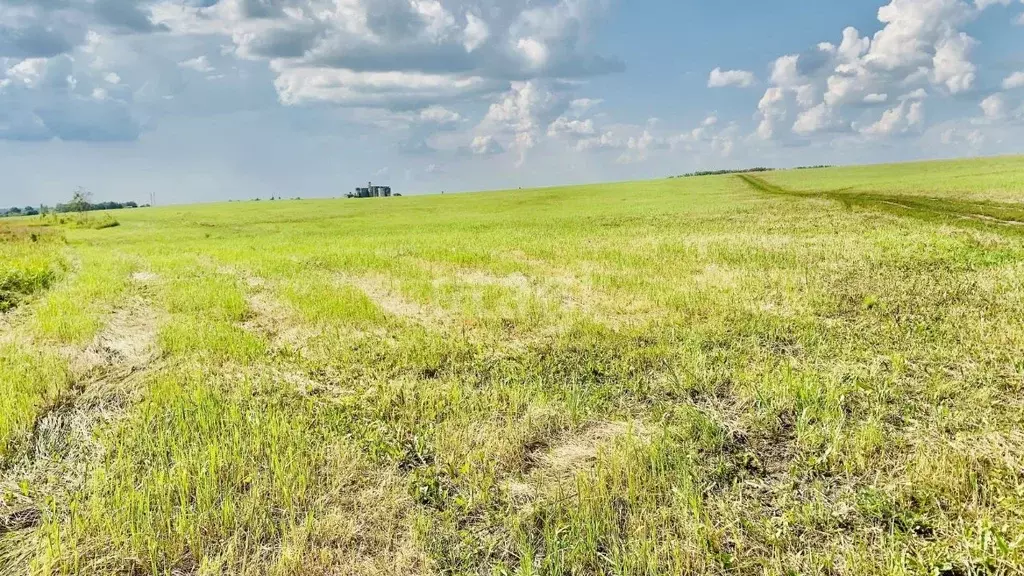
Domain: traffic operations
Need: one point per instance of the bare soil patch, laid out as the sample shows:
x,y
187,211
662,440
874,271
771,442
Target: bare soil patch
x,y
515,281
145,277
569,455
277,321
128,341
379,289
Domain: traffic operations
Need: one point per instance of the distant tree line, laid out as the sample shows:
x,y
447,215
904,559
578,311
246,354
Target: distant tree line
x,y
15,211
721,172
65,208
272,198
743,171
89,206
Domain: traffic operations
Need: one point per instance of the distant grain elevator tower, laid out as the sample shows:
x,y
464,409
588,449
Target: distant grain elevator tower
x,y
372,191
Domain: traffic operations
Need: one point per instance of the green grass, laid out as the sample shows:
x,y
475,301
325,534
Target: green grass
x,y
30,261
997,179
32,383
78,220
936,209
808,372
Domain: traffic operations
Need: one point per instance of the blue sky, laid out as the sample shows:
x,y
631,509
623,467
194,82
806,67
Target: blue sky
x,y
203,100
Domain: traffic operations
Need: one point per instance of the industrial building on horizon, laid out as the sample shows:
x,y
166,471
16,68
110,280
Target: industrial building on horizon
x,y
371,191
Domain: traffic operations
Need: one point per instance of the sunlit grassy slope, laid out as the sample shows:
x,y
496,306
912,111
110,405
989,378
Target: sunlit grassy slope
x,y
998,179
690,376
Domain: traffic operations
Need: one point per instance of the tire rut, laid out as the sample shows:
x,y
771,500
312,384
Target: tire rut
x,y
108,376
1001,215
288,336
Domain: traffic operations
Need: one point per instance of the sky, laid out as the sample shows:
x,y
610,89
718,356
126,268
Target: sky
x,y
208,100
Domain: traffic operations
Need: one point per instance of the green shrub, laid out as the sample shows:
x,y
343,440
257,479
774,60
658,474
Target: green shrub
x,y
79,220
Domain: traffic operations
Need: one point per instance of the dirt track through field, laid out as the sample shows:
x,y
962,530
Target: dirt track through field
x,y
994,213
289,337
108,376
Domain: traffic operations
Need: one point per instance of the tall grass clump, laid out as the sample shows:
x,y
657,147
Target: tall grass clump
x,y
30,262
79,220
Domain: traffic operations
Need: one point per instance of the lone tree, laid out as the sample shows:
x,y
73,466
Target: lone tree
x,y
80,200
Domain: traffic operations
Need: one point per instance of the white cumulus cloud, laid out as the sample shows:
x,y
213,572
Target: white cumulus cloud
x,y
995,107
1014,81
198,64
519,118
921,45
725,78
401,53
908,116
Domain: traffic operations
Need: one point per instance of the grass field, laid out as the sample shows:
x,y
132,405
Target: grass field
x,y
808,372
998,179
